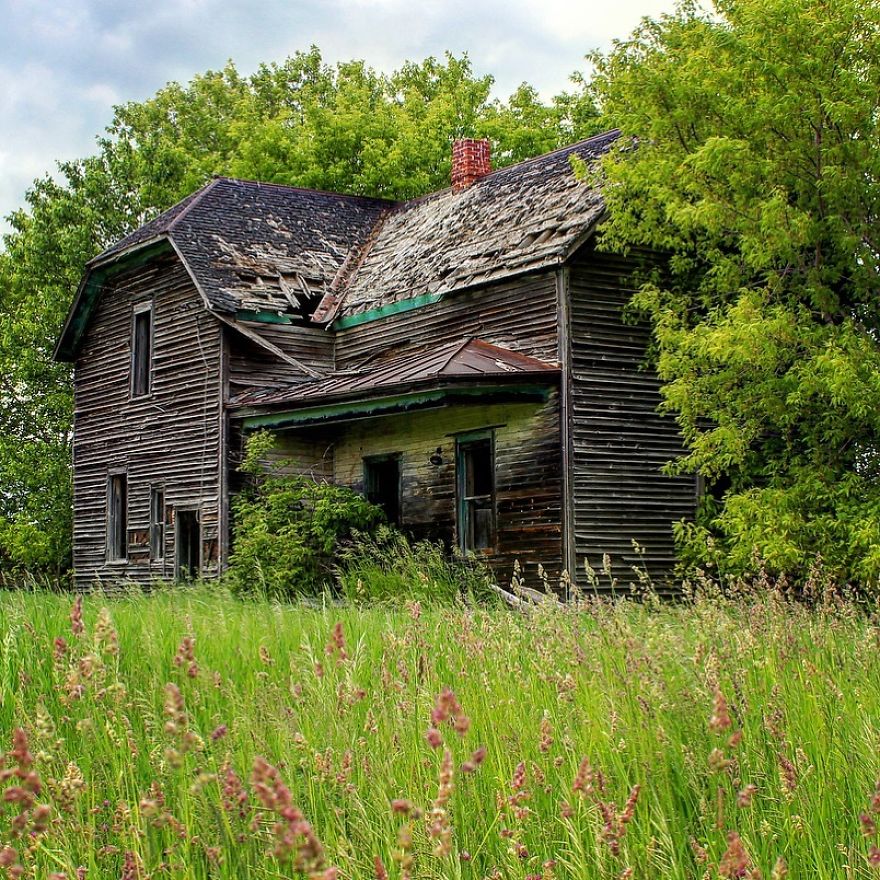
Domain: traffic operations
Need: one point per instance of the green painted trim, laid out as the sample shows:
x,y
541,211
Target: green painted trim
x,y
90,291
348,408
398,308
262,317
384,405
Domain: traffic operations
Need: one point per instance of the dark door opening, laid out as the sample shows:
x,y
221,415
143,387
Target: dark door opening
x,y
188,540
382,484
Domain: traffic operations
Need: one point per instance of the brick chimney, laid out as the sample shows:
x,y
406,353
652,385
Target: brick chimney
x,y
470,162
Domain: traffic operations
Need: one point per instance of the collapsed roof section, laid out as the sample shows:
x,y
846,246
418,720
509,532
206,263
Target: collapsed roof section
x,y
288,255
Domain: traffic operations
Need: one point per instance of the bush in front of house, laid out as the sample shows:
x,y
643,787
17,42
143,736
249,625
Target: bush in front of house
x,y
287,528
386,566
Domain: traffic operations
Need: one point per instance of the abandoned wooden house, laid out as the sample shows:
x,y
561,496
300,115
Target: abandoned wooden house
x,y
460,358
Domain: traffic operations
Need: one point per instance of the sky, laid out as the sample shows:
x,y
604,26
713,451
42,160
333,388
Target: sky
x,y
64,64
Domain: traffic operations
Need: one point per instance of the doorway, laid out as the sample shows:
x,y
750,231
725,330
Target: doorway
x,y
382,484
188,541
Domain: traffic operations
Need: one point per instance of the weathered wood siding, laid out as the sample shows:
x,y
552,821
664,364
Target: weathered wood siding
x,y
528,475
172,438
619,442
518,314
251,365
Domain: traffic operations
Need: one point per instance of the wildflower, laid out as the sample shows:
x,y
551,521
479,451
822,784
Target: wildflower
x,y
439,826
71,786
404,854
546,740
336,645
380,871
717,761
174,709
105,635
447,708
519,777
583,780
130,868
434,738
76,619
874,856
744,798
735,862
787,773
219,732
875,799
476,758
235,798
59,650
720,720
701,854
780,870
295,839
186,656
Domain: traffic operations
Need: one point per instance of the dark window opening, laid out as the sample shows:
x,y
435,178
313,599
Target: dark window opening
x,y
117,517
475,471
382,484
188,544
157,523
141,354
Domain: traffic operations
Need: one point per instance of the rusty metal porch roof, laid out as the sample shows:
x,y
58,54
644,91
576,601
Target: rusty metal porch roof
x,y
466,360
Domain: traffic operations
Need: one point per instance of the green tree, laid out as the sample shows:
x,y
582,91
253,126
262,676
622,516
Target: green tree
x,y
757,169
301,122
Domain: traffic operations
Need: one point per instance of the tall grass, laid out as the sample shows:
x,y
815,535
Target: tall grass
x,y
190,735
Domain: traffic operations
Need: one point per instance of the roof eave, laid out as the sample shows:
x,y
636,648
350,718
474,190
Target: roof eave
x,y
449,385
97,271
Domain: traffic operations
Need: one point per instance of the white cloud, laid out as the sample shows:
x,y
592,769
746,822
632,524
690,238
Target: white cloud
x,y
64,63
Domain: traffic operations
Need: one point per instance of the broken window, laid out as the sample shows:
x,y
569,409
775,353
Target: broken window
x,y
382,484
117,517
475,473
141,351
157,522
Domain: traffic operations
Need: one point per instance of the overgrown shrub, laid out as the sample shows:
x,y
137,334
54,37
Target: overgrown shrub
x,y
385,566
287,528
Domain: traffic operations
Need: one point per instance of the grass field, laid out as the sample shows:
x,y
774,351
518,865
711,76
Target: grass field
x,y
190,735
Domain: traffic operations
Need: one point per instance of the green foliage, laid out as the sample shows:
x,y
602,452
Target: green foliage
x,y
302,122
386,567
758,171
287,528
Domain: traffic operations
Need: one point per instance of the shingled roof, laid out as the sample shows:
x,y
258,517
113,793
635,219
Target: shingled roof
x,y
307,255
253,246
517,218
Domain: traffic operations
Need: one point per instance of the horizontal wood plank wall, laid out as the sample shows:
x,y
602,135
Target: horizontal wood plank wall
x,y
169,439
620,442
528,476
306,454
519,314
251,365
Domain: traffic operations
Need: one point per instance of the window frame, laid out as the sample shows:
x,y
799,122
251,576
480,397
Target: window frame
x,y
112,534
466,503
158,532
137,312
